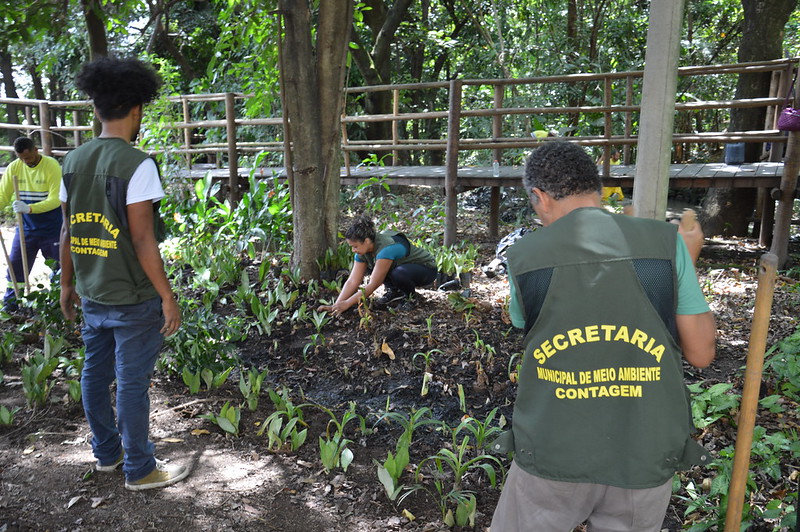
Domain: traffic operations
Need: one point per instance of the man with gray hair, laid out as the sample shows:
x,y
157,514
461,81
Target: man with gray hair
x,y
609,305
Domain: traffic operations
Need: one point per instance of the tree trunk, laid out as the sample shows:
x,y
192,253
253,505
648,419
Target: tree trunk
x,y
95,26
12,111
728,211
313,79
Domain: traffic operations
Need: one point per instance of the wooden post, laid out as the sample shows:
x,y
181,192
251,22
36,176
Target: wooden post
x,y
187,133
626,150
76,121
752,384
233,161
783,212
651,183
607,125
47,135
451,164
395,126
497,154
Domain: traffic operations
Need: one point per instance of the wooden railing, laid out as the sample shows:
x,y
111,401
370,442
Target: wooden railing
x,y
212,125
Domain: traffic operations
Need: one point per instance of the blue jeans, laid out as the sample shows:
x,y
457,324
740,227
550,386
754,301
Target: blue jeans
x,y
48,245
122,342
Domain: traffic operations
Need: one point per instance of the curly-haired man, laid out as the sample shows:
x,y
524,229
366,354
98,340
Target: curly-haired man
x,y
112,268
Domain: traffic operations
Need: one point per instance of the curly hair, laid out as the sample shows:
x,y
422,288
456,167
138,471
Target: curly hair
x,y
23,143
561,169
361,229
118,85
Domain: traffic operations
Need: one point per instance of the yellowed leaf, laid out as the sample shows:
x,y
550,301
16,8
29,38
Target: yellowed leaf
x,y
29,450
387,350
408,515
73,501
198,432
172,440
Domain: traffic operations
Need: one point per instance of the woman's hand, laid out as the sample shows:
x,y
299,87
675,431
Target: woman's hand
x,y
337,308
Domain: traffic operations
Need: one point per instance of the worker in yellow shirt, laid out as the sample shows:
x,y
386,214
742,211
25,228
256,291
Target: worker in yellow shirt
x,y
38,179
612,193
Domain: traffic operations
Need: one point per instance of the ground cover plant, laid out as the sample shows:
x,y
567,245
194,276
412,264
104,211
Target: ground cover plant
x,y
376,420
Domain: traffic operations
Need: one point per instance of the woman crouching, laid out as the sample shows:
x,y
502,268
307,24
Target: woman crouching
x,y
390,260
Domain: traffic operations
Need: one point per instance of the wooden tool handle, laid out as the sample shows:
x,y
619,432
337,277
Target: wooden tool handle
x,y
688,219
752,384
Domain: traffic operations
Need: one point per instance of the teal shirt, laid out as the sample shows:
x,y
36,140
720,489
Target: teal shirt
x,y
690,296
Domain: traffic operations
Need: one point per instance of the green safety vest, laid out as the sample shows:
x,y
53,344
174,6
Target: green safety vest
x,y
601,396
96,176
387,238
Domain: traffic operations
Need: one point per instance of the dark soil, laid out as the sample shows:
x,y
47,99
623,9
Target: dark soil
x,y
46,479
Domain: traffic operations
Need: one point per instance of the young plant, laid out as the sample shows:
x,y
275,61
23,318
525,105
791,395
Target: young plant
x,y
8,342
426,375
333,446
320,319
392,468
192,380
482,431
6,415
36,381
316,341
281,425
251,387
227,419
72,368
212,380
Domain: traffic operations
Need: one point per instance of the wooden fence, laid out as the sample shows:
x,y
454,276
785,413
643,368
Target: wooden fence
x,y
477,121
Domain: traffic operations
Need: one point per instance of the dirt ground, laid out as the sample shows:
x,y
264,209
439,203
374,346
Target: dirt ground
x,y
46,475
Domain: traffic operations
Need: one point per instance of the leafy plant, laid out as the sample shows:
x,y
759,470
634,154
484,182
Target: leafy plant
x,y
333,447
250,386
281,425
227,419
36,381
709,405
8,341
192,380
426,373
7,415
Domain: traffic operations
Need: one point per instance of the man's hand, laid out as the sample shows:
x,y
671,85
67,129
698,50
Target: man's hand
x,y
21,207
172,316
69,302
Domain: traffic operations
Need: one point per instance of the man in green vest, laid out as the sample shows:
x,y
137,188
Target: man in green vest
x,y
112,268
610,306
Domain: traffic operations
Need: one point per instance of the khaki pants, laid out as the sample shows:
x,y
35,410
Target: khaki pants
x,y
533,504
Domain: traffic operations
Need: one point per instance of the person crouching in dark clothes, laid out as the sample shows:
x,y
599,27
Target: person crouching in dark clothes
x,y
390,260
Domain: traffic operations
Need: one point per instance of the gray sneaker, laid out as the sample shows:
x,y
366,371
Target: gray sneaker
x,y
163,475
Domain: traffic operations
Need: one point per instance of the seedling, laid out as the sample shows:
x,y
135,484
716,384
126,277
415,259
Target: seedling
x,y
212,380
426,375
320,319
333,447
227,419
6,415
192,380
250,386
35,378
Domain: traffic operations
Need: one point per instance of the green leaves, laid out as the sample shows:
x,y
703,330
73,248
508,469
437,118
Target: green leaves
x,y
227,419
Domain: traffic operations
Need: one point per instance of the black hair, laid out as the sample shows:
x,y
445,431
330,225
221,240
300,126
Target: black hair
x,y
118,85
361,229
23,143
561,169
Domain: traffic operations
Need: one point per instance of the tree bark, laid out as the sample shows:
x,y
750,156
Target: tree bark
x,y
313,80
728,211
12,111
93,14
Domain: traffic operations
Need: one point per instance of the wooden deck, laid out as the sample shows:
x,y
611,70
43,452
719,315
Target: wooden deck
x,y
708,175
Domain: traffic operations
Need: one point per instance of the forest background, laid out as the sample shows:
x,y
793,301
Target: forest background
x,y
247,302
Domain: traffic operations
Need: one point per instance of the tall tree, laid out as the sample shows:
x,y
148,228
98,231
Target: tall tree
x,y
763,22
313,70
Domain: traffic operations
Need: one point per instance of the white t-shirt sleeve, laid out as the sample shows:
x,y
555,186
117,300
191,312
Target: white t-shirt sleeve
x,y
62,194
145,184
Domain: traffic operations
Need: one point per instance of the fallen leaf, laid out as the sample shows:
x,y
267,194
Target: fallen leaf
x,y
198,432
408,515
172,440
73,501
29,450
97,501
387,350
